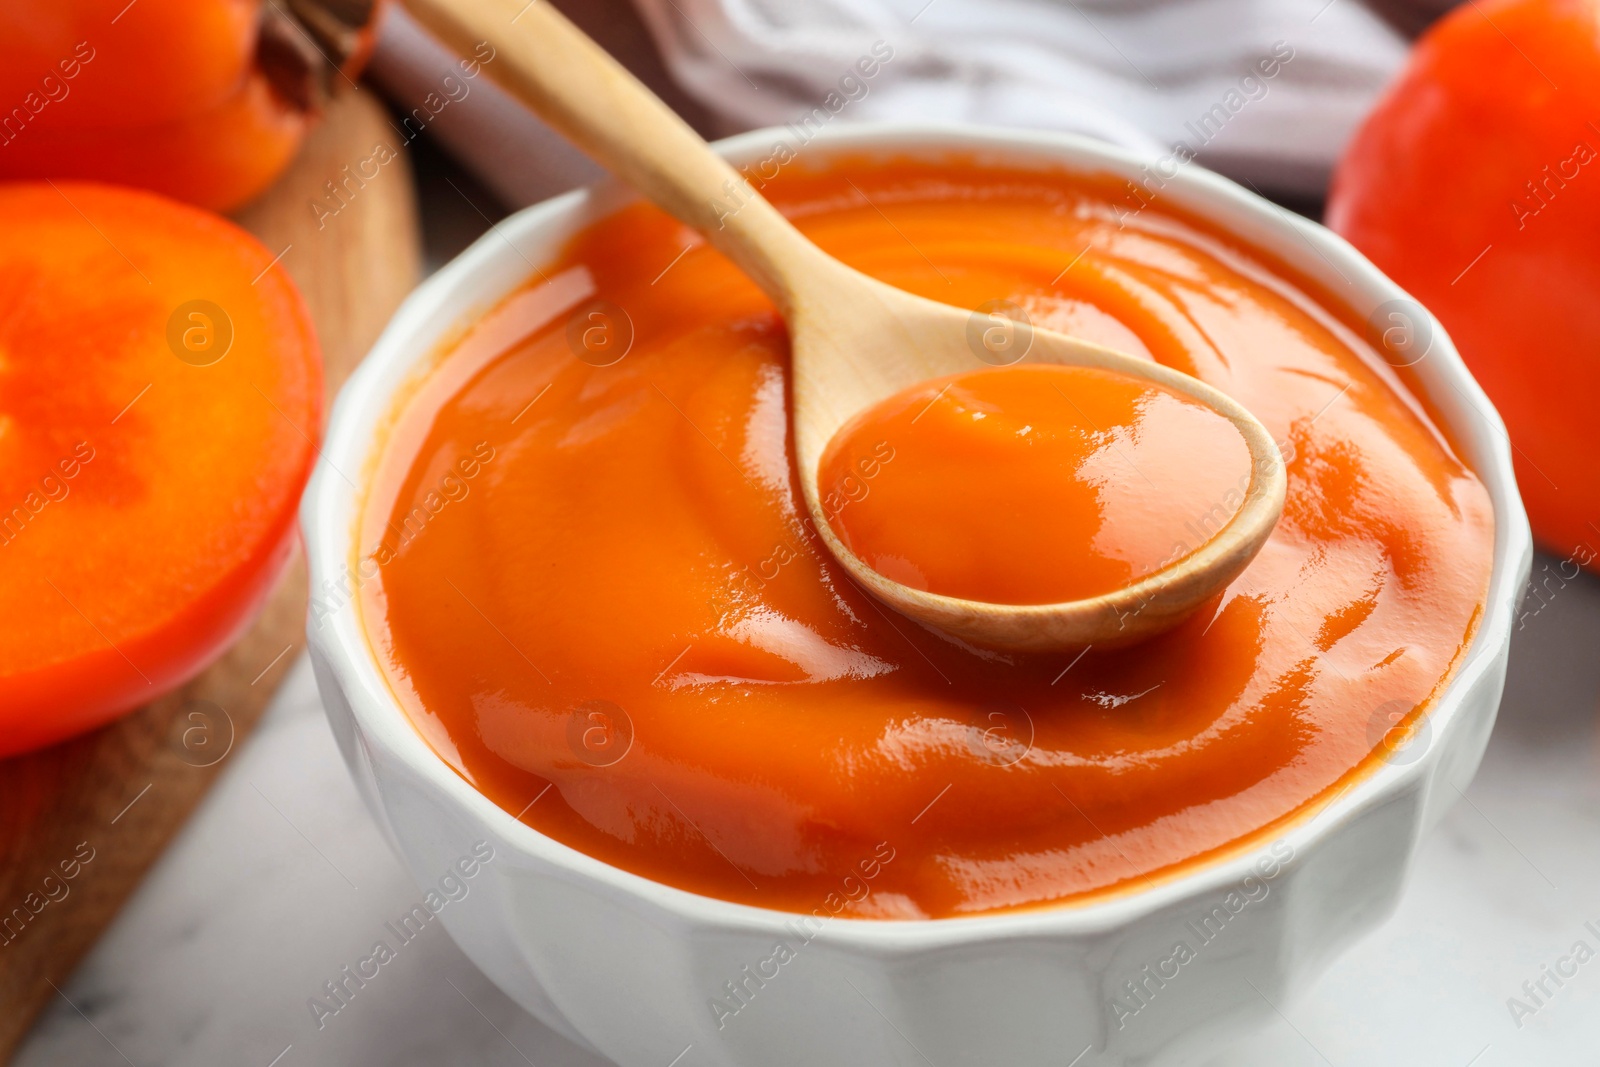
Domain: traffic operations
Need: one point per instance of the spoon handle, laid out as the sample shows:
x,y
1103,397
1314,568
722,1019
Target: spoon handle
x,y
574,85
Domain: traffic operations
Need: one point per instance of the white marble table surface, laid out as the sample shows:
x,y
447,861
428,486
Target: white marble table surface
x,y
282,878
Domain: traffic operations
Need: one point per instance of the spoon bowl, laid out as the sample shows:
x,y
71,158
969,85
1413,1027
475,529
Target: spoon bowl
x,y
855,341
865,341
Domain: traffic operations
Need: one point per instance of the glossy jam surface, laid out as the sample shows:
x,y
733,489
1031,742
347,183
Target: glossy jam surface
x,y
1031,484
589,577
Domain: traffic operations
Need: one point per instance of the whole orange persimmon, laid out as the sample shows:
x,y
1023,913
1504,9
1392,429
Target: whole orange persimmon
x,y
203,100
1475,184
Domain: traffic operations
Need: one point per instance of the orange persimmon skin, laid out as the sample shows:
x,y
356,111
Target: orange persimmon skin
x,y
219,159
147,492
1475,184
151,63
161,94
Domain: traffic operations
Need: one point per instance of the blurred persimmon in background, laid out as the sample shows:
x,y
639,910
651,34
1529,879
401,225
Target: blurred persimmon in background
x,y
203,100
1475,184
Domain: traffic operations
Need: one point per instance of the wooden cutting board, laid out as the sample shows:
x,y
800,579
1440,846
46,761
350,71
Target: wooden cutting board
x,y
120,793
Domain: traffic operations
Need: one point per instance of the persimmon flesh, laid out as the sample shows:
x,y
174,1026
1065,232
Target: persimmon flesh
x,y
160,403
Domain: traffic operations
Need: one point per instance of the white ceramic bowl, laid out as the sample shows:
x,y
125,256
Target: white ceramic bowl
x,y
630,967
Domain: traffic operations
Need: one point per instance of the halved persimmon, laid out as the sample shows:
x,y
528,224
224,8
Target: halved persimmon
x,y
160,406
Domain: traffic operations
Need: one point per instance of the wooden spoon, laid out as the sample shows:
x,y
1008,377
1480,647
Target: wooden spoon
x,y
855,341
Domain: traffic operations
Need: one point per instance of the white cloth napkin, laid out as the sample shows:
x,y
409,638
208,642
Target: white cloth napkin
x,y
1266,91
1146,74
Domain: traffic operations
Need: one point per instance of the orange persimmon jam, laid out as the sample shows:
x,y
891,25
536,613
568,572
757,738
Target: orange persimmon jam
x,y
595,590
1031,484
